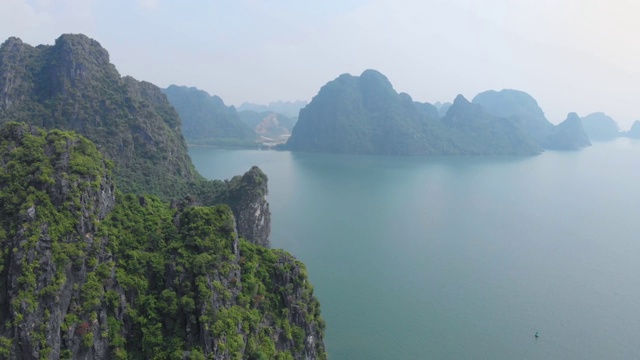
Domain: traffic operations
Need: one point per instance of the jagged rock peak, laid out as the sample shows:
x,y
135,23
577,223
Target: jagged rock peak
x,y
74,44
247,197
82,57
461,100
12,41
573,117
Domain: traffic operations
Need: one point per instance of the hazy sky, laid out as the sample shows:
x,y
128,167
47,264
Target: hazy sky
x,y
571,55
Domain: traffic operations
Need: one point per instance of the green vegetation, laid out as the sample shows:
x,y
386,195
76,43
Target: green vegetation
x,y
98,273
365,115
71,85
206,120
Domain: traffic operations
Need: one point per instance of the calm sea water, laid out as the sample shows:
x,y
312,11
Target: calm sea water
x,y
462,258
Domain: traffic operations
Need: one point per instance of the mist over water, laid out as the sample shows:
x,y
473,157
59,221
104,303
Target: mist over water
x,y
462,257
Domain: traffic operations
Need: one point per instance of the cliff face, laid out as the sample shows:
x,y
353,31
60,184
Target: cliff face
x,y
248,196
55,189
71,85
89,273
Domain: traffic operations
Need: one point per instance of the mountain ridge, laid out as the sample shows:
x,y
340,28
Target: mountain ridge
x,y
72,85
365,115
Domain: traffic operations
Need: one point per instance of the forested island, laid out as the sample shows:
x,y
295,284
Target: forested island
x,y
365,115
112,245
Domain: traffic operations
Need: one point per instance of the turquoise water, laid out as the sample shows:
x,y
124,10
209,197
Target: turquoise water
x,y
462,258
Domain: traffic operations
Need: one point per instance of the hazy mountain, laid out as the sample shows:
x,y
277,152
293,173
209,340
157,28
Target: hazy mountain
x,y
365,115
523,111
569,134
519,107
442,108
289,109
362,115
600,127
268,124
428,110
477,131
634,132
72,85
206,119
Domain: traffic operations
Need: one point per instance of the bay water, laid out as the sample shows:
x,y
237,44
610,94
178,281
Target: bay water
x,y
462,257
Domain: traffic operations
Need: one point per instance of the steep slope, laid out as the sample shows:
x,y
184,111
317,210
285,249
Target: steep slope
x,y
569,135
365,115
600,127
89,273
73,86
289,109
634,132
206,119
361,115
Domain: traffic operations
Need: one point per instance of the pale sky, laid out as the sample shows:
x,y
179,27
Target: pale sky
x,y
571,55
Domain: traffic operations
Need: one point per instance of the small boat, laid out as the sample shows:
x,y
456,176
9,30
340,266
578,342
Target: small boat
x,y
536,335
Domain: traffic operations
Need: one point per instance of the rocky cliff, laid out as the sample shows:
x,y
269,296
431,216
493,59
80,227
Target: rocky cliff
x,y
71,85
90,273
569,134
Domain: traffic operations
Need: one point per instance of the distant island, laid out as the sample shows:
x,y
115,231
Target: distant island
x,y
600,127
272,128
523,111
206,120
365,115
289,109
